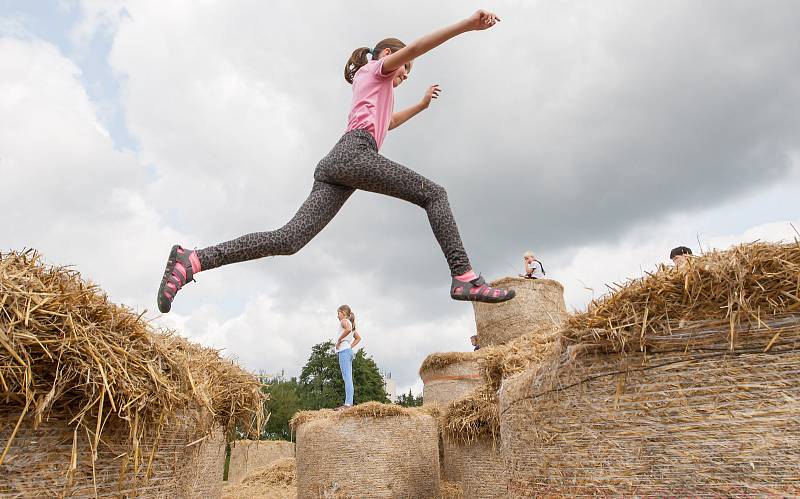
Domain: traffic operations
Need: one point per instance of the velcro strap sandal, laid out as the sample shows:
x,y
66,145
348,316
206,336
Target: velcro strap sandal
x,y
478,290
178,272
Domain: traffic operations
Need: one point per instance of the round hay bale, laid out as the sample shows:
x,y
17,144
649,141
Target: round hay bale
x,y
371,450
539,304
247,455
53,459
477,466
449,376
715,423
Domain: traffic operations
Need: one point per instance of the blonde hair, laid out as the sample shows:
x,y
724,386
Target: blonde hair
x,y
528,253
348,314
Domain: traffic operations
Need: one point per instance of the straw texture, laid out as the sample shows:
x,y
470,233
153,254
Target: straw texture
x,y
249,455
717,423
274,481
56,459
477,467
737,286
79,371
539,304
449,376
374,451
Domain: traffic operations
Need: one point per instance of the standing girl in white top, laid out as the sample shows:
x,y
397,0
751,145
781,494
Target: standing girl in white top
x,y
347,340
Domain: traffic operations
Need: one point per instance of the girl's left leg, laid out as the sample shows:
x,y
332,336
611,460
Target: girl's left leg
x,y
346,366
369,171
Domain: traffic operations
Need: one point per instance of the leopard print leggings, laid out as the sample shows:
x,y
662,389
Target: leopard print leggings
x,y
353,163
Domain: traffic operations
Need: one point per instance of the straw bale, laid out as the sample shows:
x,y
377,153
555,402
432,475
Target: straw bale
x,y
274,481
377,451
539,304
449,376
282,471
248,455
737,286
70,357
57,459
699,422
477,467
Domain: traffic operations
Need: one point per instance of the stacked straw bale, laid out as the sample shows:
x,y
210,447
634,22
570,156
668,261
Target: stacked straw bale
x,y
539,304
449,376
471,425
97,402
248,455
683,382
370,450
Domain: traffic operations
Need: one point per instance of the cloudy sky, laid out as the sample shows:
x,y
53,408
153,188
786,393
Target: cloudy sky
x,y
600,135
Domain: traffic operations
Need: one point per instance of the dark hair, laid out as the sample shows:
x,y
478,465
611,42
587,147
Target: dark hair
x,y
359,56
680,250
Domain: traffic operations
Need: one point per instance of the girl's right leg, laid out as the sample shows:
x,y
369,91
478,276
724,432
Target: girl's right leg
x,y
319,208
346,366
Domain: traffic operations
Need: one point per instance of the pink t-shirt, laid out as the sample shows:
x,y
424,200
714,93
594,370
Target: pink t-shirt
x,y
373,101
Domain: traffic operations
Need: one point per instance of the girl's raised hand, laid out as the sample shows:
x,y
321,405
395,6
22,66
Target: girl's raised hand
x,y
432,93
482,19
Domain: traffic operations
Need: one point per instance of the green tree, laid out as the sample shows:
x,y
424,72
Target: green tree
x,y
283,403
321,384
409,400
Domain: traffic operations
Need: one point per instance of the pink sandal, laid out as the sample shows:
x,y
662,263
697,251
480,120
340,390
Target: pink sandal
x,y
478,290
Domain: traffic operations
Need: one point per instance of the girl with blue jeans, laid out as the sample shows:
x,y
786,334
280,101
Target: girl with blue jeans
x,y
347,340
355,164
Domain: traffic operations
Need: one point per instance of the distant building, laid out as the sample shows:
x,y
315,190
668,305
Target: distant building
x,y
390,386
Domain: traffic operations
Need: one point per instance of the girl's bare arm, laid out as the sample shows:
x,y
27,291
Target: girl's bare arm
x,y
356,339
406,114
480,20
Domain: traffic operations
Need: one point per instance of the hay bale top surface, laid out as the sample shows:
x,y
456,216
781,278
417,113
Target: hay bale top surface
x,y
360,411
67,348
735,287
280,472
440,360
515,282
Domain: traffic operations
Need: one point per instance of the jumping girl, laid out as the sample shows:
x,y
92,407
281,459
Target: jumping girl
x,y
346,341
354,163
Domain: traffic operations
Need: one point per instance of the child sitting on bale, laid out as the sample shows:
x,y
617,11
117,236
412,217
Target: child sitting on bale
x,y
533,267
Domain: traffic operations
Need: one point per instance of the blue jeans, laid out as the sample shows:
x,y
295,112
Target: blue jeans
x,y
346,365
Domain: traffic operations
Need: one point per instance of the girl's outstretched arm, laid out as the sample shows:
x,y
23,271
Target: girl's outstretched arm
x,y
406,114
480,20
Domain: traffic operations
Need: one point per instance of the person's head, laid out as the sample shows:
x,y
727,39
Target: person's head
x,y
474,339
344,312
678,255
383,48
528,256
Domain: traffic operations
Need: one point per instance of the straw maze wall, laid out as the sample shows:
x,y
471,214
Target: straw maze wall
x,y
39,461
721,424
375,457
247,455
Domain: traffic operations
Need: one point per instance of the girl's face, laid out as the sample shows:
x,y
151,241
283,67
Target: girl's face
x,y
340,315
401,75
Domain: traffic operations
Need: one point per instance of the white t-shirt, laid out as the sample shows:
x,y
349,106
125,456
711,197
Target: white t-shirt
x,y
536,267
347,341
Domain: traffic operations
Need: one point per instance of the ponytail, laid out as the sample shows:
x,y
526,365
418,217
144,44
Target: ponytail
x,y
353,320
357,60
